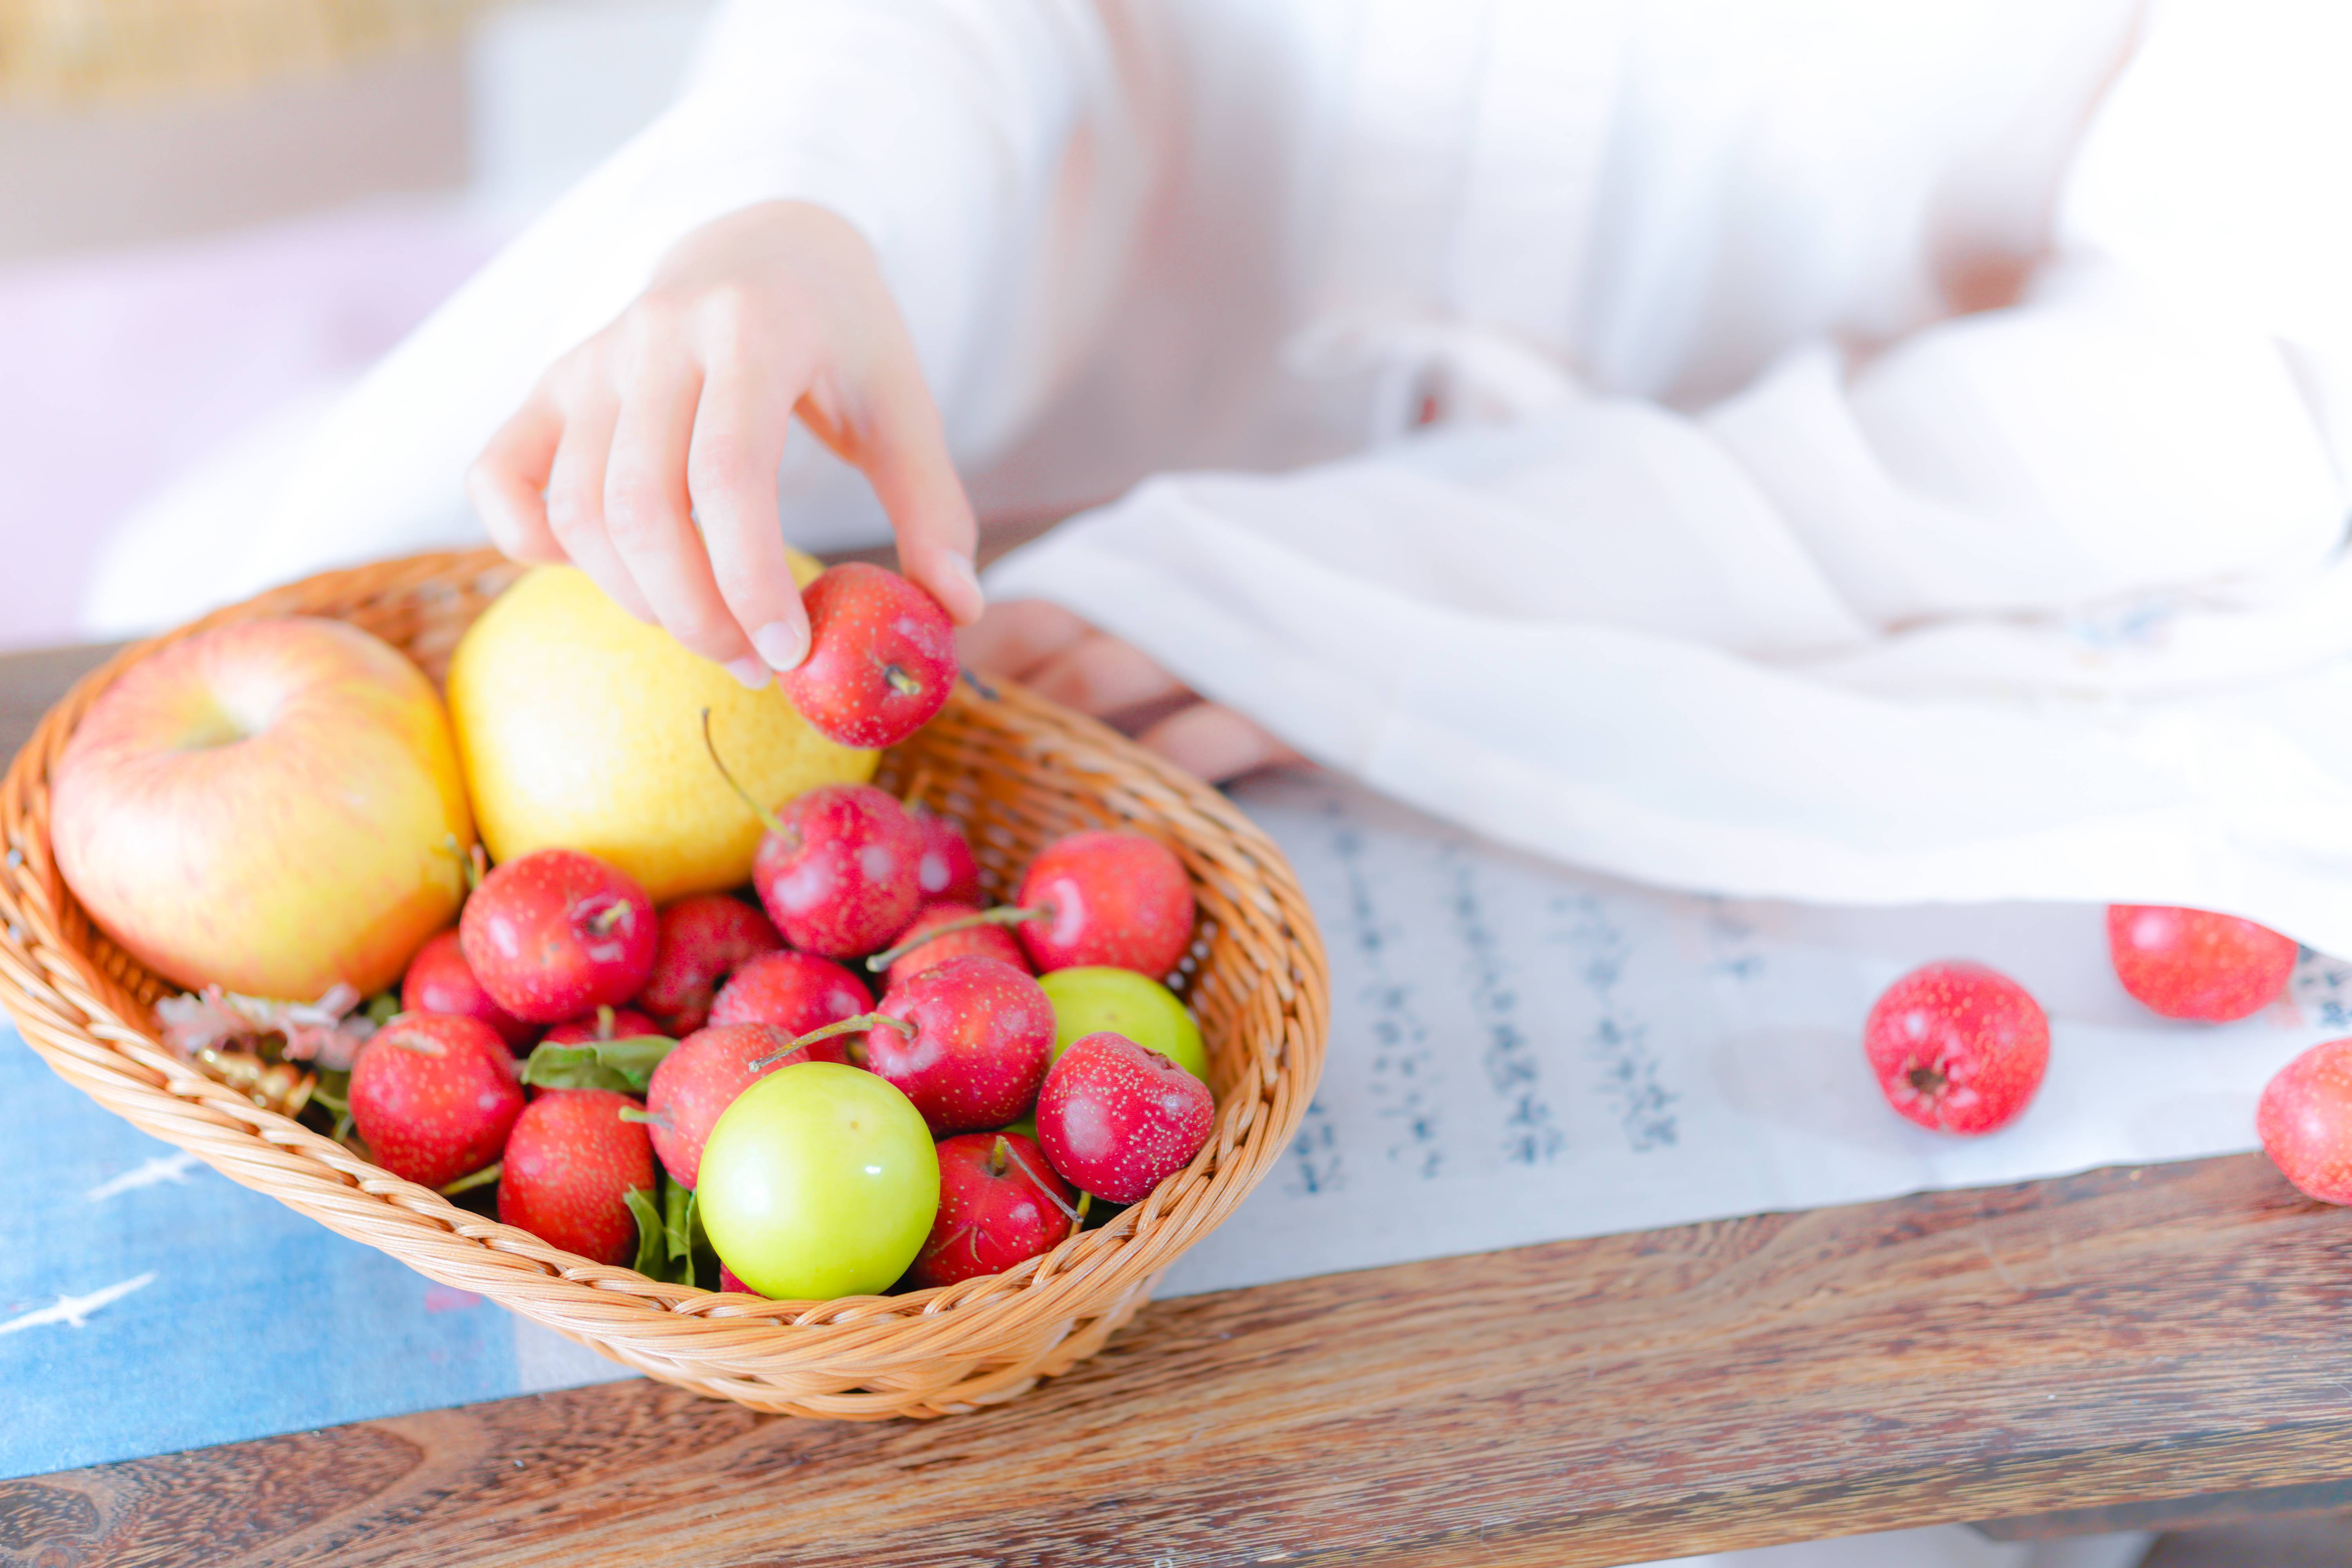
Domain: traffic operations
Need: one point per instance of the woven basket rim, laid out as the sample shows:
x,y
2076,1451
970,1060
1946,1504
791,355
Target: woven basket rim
x,y
73,996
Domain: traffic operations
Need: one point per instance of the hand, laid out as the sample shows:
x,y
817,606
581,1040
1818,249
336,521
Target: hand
x,y
1054,653
675,414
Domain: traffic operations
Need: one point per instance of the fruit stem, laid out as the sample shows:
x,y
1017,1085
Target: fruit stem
x,y
859,1025
899,682
648,1118
1002,915
605,1015
767,818
1003,1147
481,1178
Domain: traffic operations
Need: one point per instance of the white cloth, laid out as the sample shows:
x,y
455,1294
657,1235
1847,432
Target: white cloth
x,y
1744,557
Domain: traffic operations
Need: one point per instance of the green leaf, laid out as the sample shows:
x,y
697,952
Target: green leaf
x,y
383,1009
652,1239
621,1065
677,1202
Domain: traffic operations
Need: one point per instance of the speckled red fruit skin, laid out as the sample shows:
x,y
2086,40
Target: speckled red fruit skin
x,y
2194,963
438,982
974,941
700,1078
1117,898
728,1281
627,1024
881,659
570,1163
704,939
435,1095
840,880
556,933
992,1217
983,1032
796,992
1956,1046
1118,1120
2305,1121
946,870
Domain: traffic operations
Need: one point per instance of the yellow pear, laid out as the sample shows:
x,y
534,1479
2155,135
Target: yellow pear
x,y
578,725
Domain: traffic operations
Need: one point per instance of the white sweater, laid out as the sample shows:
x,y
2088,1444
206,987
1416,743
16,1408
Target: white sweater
x,y
1737,553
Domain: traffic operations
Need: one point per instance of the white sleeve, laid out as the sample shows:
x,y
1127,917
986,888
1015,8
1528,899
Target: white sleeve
x,y
2030,604
943,130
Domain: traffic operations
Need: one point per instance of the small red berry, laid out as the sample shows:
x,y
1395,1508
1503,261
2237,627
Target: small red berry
x,y
570,1164
2194,963
2305,1121
1956,1046
434,1095
438,982
971,941
705,938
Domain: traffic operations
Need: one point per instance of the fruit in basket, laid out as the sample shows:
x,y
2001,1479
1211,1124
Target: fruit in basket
x,y
946,870
438,982
1093,997
2194,963
698,1081
796,992
2305,1121
604,1023
837,873
1956,1046
911,955
571,1163
820,1181
881,656
270,807
558,934
967,1041
1001,1203
435,1096
1118,1120
581,726
1114,899
705,938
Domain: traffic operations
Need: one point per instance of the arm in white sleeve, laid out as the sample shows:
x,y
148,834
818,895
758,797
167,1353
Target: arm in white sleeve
x,y
2024,605
982,147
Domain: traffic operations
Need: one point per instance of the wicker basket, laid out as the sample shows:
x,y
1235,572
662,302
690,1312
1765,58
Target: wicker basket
x,y
1015,771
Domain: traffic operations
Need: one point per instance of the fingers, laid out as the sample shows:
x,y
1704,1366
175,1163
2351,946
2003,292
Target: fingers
x,y
907,464
646,516
1101,676
740,430
507,483
1013,639
575,497
1213,742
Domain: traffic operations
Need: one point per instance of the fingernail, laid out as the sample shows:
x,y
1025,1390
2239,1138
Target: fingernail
x,y
750,672
783,645
960,568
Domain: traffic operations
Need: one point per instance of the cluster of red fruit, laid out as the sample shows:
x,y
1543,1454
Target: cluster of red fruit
x,y
661,1020
1961,1048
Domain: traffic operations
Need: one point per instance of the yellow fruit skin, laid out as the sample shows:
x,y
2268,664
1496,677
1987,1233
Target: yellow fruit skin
x,y
580,726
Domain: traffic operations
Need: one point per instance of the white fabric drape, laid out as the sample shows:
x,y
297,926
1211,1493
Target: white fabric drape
x,y
1744,548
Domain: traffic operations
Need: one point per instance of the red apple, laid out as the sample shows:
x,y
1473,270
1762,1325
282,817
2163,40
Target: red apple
x,y
270,807
2305,1121
571,1163
796,992
1118,1120
557,933
435,1095
881,656
838,876
946,870
968,1042
704,939
914,955
1001,1203
1956,1046
2194,963
439,982
1114,899
701,1078
604,1023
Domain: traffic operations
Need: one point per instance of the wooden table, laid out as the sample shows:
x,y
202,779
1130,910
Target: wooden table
x,y
2133,1348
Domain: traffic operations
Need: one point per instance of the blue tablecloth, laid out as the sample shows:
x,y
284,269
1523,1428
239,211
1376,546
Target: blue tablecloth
x,y
149,1304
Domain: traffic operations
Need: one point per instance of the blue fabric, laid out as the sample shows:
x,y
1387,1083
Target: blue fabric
x,y
251,1319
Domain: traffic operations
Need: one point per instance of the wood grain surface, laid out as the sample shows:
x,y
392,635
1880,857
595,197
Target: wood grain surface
x,y
2078,1344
